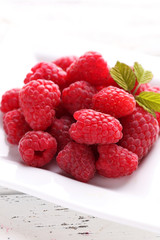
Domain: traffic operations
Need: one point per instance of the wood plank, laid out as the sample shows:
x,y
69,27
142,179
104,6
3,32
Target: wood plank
x,y
25,217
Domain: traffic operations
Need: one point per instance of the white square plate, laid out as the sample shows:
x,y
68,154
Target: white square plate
x,y
133,200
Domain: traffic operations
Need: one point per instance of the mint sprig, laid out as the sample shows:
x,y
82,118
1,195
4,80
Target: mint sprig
x,y
123,75
146,108
142,75
150,100
126,78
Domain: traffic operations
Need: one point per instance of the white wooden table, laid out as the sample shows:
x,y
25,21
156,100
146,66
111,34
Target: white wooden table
x,y
23,217
132,25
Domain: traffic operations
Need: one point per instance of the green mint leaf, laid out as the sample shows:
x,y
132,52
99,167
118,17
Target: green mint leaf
x,y
123,76
142,75
146,109
150,99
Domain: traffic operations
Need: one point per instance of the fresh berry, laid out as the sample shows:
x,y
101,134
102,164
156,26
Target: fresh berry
x,y
37,148
78,96
60,130
10,100
142,88
148,88
77,160
38,99
94,127
158,118
110,82
140,131
115,161
47,71
15,125
155,89
61,110
91,67
114,101
65,62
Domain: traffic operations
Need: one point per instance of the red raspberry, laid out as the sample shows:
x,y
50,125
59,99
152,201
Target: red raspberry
x,y
78,96
115,161
158,118
148,88
15,126
110,82
77,160
142,88
95,127
61,110
10,100
65,62
140,131
114,101
90,67
145,88
47,71
37,148
60,130
38,100
156,90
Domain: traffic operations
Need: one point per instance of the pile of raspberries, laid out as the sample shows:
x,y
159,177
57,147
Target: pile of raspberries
x,y
73,111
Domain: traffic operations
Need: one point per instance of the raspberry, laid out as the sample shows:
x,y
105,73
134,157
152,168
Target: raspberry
x,y
140,131
47,71
38,100
114,101
15,126
90,67
78,96
37,148
158,118
142,88
61,110
155,89
148,88
65,62
110,82
77,160
10,100
95,128
60,130
145,88
115,161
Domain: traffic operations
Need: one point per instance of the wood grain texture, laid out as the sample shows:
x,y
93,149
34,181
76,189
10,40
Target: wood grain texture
x,y
25,217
